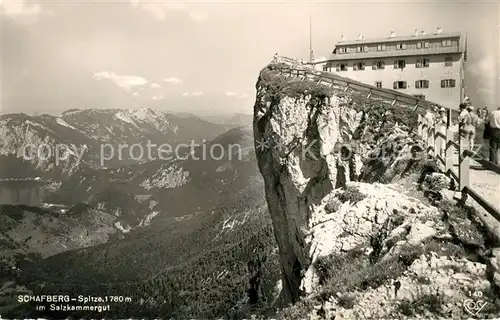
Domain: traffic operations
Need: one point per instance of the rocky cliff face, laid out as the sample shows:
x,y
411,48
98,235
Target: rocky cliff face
x,y
323,154
306,148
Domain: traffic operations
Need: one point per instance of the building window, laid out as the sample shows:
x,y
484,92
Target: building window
x,y
422,84
401,46
448,83
419,96
421,45
343,50
378,65
446,43
342,67
361,49
399,85
448,61
325,67
359,66
422,63
399,64
381,47
378,84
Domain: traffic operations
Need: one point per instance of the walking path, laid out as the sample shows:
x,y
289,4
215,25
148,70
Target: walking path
x,y
485,182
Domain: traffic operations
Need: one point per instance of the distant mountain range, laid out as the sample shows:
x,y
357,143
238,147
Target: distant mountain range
x,y
230,120
94,131
192,225
237,119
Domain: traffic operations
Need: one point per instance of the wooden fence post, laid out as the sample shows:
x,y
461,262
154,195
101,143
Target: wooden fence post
x,y
425,131
450,149
439,139
464,163
430,138
420,125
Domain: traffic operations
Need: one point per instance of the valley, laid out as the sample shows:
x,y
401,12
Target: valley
x,y
169,233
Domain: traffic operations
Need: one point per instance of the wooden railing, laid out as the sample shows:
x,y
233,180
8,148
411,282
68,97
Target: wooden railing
x,y
439,138
294,68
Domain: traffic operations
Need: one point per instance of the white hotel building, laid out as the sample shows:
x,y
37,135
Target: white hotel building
x,y
430,66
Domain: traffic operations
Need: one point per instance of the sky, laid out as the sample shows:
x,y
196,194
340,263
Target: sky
x,y
204,57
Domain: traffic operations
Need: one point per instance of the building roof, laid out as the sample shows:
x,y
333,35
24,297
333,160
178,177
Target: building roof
x,y
395,53
400,39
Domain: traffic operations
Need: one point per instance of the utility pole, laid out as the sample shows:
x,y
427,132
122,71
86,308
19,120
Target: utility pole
x,y
311,52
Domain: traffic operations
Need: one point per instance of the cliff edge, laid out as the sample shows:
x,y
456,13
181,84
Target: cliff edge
x,y
357,237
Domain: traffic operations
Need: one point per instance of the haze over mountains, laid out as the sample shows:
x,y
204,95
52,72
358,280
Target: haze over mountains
x,y
206,206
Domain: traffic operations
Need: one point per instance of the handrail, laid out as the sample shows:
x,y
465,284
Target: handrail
x,y
294,65
441,143
436,141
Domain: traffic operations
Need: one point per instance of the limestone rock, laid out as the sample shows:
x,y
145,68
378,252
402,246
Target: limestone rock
x,y
494,262
309,142
437,181
424,282
328,161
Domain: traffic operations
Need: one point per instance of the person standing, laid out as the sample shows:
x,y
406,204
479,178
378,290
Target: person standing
x,y
429,123
276,57
464,122
493,133
480,115
429,119
442,119
474,122
485,113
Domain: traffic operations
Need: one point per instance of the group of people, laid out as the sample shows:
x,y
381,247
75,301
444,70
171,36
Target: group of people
x,y
468,121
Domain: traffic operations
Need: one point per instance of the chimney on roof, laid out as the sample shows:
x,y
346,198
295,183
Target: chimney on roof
x,y
342,38
422,32
416,32
439,30
360,37
393,34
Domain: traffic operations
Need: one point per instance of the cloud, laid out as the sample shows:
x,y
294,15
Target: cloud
x,y
242,95
155,85
122,81
160,10
485,72
21,11
193,94
173,80
157,98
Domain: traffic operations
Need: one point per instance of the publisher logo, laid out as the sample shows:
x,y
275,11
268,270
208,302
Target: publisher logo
x,y
474,307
